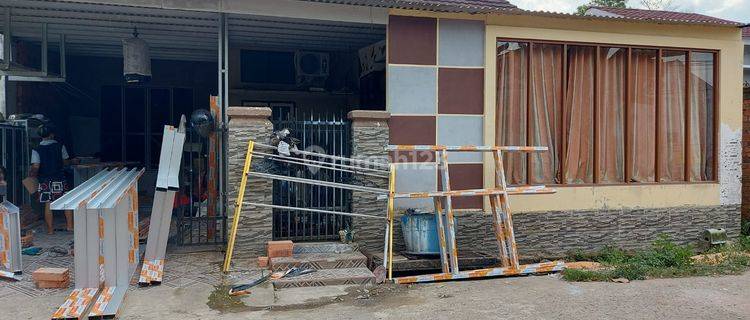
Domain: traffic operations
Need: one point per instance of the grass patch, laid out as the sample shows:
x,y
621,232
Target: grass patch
x,y
664,259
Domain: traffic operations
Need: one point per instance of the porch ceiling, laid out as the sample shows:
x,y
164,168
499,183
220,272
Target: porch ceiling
x,y
98,29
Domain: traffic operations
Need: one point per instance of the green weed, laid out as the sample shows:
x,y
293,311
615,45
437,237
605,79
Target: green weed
x,y
664,259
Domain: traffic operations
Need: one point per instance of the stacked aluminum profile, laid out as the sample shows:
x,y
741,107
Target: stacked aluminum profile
x,y
10,241
167,185
105,237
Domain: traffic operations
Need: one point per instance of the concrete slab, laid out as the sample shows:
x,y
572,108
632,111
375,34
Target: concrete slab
x,y
296,296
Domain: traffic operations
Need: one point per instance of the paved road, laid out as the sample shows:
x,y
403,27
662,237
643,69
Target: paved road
x,y
543,297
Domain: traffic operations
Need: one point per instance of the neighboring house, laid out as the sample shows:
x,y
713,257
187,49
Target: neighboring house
x,y
641,110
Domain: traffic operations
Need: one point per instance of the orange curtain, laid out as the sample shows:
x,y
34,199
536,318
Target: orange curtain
x,y
579,106
546,111
701,137
671,137
511,106
642,116
610,117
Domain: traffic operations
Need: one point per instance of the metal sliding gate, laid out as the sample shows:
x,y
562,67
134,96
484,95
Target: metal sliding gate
x,y
198,218
327,133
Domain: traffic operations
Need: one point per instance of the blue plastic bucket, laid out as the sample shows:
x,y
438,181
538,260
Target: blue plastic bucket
x,y
420,233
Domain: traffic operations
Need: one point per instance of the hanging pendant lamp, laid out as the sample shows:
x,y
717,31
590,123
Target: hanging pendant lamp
x,y
136,59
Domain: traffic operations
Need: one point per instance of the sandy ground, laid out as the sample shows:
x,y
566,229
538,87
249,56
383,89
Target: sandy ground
x,y
538,297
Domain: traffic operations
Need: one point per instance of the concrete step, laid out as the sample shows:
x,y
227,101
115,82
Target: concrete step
x,y
322,247
328,277
320,261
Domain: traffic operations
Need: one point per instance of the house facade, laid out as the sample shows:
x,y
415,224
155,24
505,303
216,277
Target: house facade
x,y
642,116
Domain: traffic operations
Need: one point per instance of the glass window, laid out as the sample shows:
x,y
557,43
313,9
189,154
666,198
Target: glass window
x,y
671,124
578,159
641,115
608,114
512,68
611,113
701,130
545,111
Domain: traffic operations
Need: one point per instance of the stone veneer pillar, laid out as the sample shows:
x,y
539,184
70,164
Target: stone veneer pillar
x,y
369,139
256,224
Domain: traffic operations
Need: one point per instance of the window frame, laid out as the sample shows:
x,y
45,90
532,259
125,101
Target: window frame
x,y
629,101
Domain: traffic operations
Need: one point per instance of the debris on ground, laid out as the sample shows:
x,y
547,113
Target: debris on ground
x,y
244,289
583,265
291,273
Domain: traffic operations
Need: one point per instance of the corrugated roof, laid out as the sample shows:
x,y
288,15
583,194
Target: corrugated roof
x,y
470,6
658,15
504,6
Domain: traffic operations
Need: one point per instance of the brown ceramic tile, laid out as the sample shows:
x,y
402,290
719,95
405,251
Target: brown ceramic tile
x,y
412,129
412,40
461,91
465,176
411,156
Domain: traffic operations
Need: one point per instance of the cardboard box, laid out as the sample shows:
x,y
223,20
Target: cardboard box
x,y
280,248
51,274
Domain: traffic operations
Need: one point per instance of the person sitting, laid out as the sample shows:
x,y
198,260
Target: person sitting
x,y
47,165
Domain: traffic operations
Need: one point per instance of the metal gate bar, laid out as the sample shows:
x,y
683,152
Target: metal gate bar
x,y
320,133
194,225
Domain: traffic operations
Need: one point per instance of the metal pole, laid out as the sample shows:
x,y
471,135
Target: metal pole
x,y
224,163
357,161
391,216
63,71
7,36
311,164
44,49
318,182
238,206
443,165
313,210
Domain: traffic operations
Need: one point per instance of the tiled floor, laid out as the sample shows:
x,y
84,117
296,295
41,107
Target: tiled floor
x,y
181,270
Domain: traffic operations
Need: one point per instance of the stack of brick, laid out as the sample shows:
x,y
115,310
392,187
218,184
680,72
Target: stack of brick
x,y
277,249
746,155
51,278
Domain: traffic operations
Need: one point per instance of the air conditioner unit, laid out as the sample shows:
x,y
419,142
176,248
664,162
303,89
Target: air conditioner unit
x,y
311,67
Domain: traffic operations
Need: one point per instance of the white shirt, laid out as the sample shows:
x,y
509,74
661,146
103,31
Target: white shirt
x,y
35,155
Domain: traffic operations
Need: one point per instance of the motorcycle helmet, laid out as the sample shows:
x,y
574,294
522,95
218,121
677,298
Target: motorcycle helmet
x,y
202,121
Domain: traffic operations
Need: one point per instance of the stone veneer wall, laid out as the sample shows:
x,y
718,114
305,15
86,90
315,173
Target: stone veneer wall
x,y
369,139
549,234
554,234
256,224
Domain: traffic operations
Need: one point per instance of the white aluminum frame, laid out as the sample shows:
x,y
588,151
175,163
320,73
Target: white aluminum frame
x,y
167,185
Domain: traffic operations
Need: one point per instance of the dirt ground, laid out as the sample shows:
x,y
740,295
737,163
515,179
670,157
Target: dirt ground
x,y
536,297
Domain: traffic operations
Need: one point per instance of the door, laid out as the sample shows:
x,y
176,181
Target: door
x,y
327,133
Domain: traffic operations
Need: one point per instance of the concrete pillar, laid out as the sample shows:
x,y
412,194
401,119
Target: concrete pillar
x,y
256,224
369,139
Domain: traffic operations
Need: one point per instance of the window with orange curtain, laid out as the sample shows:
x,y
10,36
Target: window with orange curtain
x,y
578,159
512,71
545,111
611,113
671,123
702,113
641,116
